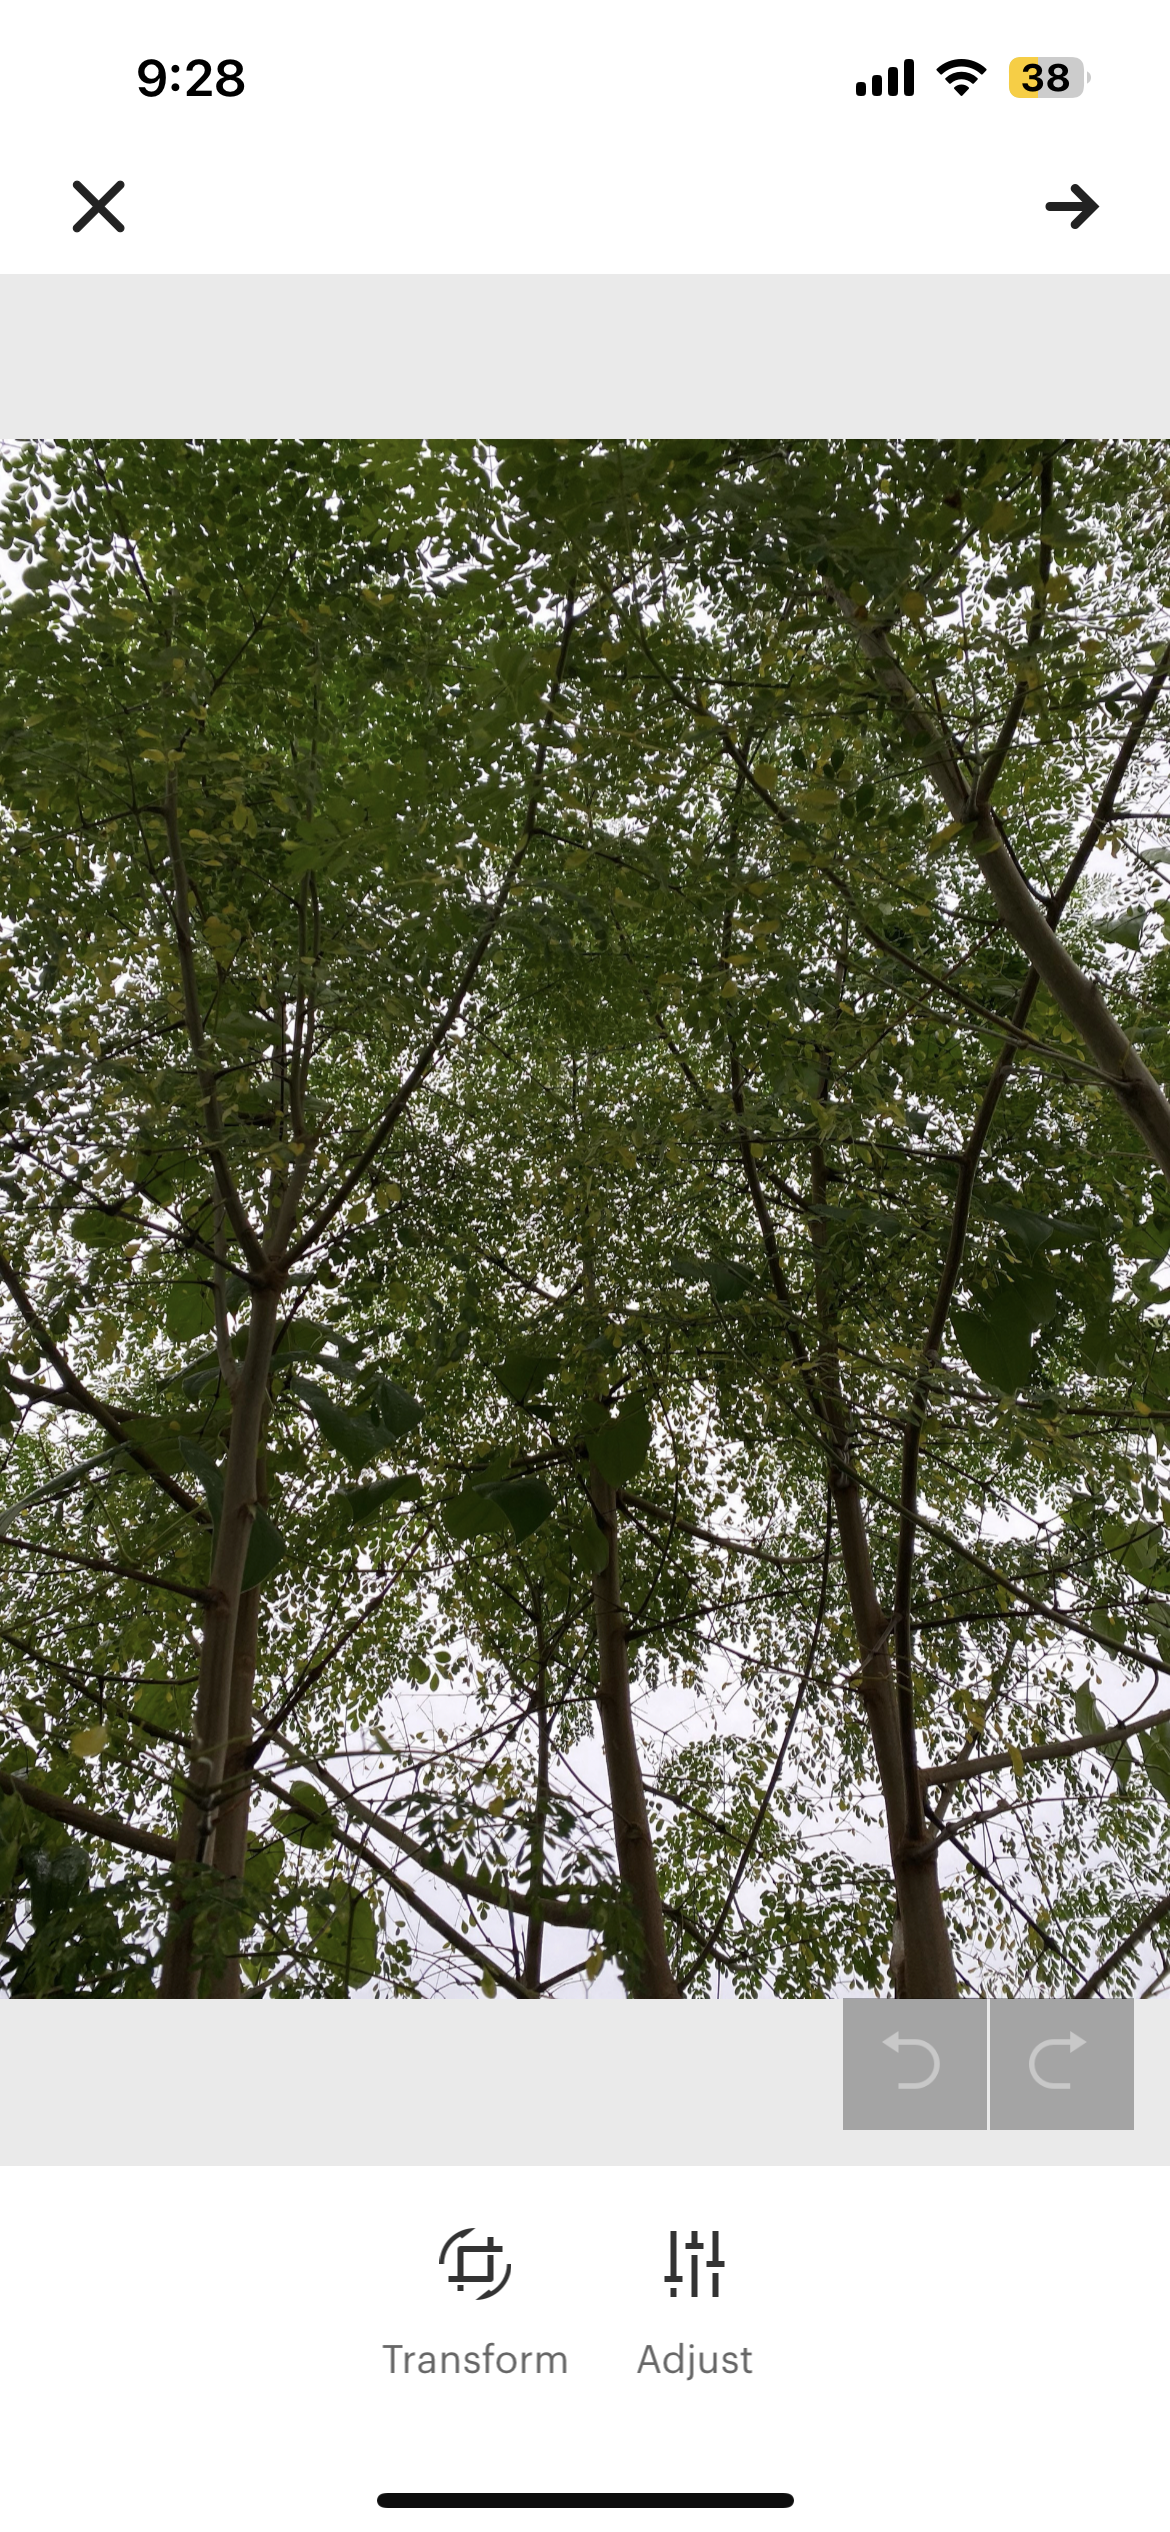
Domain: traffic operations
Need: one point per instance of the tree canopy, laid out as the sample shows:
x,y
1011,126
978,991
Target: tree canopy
x,y
584,1176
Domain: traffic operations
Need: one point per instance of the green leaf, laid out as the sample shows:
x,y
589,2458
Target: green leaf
x,y
266,1550
590,1543
361,1502
1125,929
345,1936
474,1514
61,1485
1033,1297
1087,1711
997,1345
1090,1719
1097,1351
353,1437
154,1173
262,1863
525,1501
1155,1749
726,1280
198,1376
617,1449
210,1477
316,1831
397,1411
13,1820
99,1227
56,1878
159,1703
307,1340
1027,1231
189,1310
522,1373
996,1338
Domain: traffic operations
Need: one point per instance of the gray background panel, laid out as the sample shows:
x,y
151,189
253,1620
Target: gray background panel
x,y
342,354
431,2084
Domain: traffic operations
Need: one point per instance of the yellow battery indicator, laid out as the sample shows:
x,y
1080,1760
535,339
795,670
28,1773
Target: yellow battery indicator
x,y
1046,75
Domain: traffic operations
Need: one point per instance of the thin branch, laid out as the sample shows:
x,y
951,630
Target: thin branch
x,y
83,1399
103,1824
764,1804
402,1890
712,1538
494,1895
1145,1925
105,1565
232,1200
1037,1753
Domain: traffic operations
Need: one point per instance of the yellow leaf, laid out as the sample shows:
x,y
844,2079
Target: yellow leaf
x,y
594,1966
488,1984
90,1743
220,938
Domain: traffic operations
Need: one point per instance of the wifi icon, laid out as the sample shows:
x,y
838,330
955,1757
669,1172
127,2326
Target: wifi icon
x,y
961,75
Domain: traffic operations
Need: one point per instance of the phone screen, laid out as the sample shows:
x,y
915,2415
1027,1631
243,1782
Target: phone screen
x,y
584,1245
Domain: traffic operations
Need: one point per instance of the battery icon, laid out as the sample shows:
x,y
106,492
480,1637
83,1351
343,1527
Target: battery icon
x,y
1046,75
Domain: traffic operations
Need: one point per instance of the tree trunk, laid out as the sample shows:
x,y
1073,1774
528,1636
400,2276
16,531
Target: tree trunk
x,y
1077,995
631,1824
1137,1093
927,1968
534,1942
217,1666
230,1837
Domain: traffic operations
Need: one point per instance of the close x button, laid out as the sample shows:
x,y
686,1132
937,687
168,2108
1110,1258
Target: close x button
x,y
99,203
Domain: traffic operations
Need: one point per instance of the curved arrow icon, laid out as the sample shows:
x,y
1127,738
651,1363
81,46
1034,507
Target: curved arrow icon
x,y
1052,2083
1084,206
918,2083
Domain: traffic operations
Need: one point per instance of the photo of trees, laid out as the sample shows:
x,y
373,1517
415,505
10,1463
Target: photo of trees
x,y
584,1194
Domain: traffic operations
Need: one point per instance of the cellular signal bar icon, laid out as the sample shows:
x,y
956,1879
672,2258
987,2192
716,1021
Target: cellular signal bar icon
x,y
873,87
